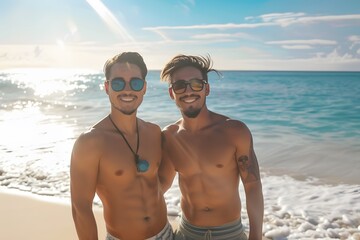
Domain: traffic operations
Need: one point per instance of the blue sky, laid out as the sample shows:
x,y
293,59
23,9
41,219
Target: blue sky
x,y
239,35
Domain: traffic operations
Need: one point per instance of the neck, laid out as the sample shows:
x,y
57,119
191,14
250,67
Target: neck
x,y
198,123
125,123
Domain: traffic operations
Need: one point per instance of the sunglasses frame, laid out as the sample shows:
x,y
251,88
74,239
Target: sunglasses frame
x,y
203,81
124,82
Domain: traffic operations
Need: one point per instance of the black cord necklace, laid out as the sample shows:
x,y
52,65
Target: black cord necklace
x,y
141,164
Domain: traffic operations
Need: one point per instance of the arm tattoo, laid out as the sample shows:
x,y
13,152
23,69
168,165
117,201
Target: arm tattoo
x,y
249,169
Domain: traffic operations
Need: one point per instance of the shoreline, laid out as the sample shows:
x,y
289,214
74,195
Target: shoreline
x,y
29,216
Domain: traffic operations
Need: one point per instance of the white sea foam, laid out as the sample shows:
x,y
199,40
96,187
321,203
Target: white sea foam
x,y
297,209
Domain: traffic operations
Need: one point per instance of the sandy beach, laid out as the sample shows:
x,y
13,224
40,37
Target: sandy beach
x,y
27,216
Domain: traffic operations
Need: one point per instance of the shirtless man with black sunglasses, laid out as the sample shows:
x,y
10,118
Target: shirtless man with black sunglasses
x,y
211,153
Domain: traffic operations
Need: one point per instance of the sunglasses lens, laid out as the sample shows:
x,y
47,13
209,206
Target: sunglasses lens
x,y
137,84
117,84
196,85
179,86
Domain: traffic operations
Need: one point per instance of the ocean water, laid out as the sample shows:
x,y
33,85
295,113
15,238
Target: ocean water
x,y
305,125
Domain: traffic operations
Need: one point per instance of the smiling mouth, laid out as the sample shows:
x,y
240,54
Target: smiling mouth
x,y
190,99
127,98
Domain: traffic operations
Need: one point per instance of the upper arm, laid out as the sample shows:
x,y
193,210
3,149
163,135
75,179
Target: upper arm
x,y
84,170
166,170
245,156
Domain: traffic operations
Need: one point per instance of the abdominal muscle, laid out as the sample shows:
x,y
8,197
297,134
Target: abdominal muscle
x,y
134,212
209,202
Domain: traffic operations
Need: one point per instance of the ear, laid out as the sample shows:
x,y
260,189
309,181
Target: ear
x,y
106,85
171,93
207,89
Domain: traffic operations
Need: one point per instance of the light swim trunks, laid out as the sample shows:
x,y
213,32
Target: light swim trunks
x,y
165,234
230,231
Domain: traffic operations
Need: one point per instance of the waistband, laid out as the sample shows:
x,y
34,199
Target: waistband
x,y
165,234
231,230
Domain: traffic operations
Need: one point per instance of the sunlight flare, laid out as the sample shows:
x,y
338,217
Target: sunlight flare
x,y
108,17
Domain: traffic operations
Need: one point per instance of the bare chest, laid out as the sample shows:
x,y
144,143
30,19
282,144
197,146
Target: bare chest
x,y
120,165
198,153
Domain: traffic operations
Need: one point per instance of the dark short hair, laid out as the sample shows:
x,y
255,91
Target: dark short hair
x,y
204,64
126,57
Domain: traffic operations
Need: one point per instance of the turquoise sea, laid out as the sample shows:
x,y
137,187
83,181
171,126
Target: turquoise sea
x,y
305,125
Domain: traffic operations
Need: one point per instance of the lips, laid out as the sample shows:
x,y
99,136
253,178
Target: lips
x,y
127,98
189,99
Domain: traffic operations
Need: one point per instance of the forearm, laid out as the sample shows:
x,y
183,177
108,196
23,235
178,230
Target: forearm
x,y
255,210
85,224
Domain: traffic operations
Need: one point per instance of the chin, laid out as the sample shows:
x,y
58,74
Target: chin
x,y
128,112
192,113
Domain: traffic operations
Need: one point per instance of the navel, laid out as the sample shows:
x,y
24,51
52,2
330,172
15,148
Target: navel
x,y
219,165
206,209
147,219
119,172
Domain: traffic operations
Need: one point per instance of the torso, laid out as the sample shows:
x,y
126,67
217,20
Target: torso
x,y
133,203
208,173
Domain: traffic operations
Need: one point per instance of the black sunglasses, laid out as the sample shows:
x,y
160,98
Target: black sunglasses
x,y
118,84
195,84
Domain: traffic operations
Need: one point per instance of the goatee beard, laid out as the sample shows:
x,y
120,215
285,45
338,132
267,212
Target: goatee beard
x,y
192,113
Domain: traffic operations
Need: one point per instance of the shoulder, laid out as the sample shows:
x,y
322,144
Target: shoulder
x,y
236,124
172,128
91,140
229,124
237,129
149,126
170,132
93,137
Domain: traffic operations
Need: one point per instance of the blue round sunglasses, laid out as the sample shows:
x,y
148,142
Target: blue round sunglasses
x,y
118,84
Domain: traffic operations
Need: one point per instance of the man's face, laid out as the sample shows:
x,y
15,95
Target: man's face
x,y
190,100
127,100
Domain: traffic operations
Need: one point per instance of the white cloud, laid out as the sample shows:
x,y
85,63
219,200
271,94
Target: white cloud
x,y
354,38
223,36
275,19
280,16
211,26
299,47
308,42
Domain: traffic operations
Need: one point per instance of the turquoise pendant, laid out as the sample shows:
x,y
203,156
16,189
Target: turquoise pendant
x,y
141,165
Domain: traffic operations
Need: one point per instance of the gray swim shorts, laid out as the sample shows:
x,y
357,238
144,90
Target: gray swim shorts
x,y
230,231
165,234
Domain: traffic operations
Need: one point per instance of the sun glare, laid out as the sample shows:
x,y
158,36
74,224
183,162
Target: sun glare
x,y
34,128
45,81
110,20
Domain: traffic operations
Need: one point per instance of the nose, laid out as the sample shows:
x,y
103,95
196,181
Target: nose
x,y
188,88
127,87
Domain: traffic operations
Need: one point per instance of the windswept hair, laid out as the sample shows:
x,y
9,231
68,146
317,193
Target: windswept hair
x,y
204,64
126,57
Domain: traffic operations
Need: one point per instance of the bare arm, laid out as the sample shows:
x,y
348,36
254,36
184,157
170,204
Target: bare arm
x,y
250,176
83,174
166,169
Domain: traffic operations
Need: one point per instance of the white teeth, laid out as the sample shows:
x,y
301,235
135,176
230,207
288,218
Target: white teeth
x,y
190,99
127,98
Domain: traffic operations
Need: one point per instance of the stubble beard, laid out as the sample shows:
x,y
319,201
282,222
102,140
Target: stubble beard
x,y
192,113
124,111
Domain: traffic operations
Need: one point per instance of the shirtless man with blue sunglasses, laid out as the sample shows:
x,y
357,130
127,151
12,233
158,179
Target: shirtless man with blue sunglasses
x,y
116,160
